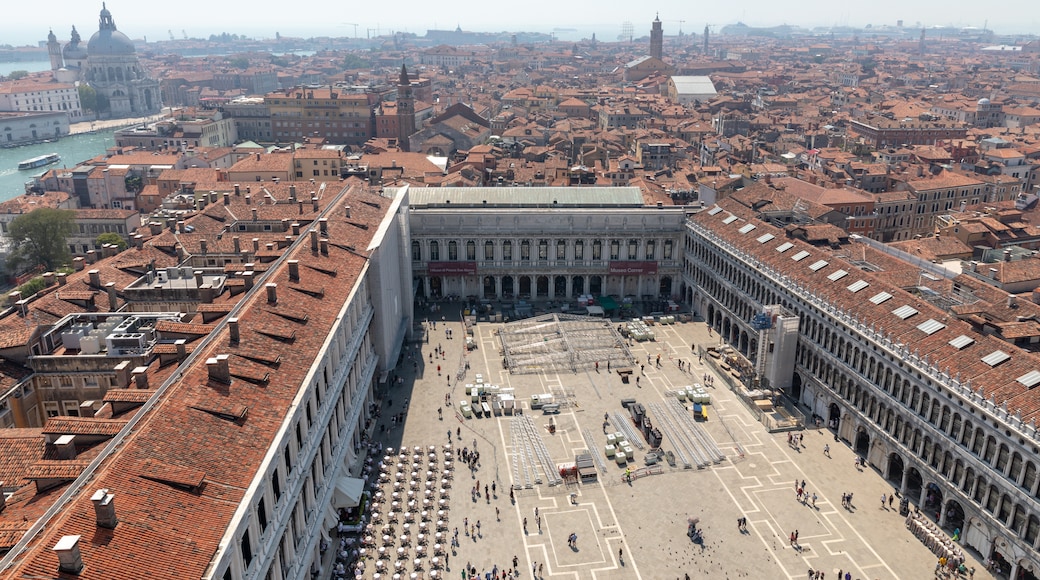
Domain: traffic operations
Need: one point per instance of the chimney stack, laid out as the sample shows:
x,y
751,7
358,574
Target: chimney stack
x,y
348,211
78,263
104,509
122,371
227,198
294,270
295,228
324,247
206,293
65,445
238,190
13,297
237,243
182,349
155,228
199,280
314,204
254,214
234,330
140,375
95,278
139,241
249,199
248,277
218,369
48,279
180,226
70,560
285,224
113,298
63,278
314,240
292,193
272,292
204,246
213,197
91,256
256,245
323,227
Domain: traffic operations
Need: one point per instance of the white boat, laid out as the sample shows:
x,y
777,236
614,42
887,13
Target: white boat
x,y
40,161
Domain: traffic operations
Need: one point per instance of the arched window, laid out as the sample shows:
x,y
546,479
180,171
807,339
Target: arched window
x,y
633,249
416,251
525,250
489,250
543,249
561,250
507,250
435,251
453,250
651,249
471,250
579,250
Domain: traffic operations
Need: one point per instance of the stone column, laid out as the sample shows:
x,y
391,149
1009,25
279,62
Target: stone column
x,y
906,475
570,291
498,287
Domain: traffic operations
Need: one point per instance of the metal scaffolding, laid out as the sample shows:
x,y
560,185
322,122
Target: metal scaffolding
x,y
562,342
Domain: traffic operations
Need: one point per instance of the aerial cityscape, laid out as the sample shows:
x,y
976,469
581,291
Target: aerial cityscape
x,y
279,294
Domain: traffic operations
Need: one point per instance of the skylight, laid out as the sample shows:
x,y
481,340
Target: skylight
x,y
715,210
746,228
765,238
880,297
995,358
730,219
930,326
858,285
800,256
784,247
837,275
905,312
818,265
962,342
1030,379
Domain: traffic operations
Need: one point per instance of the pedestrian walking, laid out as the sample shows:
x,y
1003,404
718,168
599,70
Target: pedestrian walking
x,y
497,519
814,500
827,450
883,499
890,498
539,519
525,525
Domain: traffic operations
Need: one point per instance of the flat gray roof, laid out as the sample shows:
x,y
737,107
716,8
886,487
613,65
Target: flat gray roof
x,y
534,197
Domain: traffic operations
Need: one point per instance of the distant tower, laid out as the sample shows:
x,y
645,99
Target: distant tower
x,y
54,51
405,109
705,39
656,39
920,44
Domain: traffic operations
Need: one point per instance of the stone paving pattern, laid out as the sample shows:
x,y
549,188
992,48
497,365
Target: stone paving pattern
x,y
647,518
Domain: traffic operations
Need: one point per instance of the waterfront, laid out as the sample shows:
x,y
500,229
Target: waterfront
x,y
30,65
73,149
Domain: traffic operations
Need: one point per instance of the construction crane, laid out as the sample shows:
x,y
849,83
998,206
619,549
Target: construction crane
x,y
185,33
350,24
681,22
171,34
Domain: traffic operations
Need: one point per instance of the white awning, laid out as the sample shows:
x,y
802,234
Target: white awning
x,y
348,492
331,520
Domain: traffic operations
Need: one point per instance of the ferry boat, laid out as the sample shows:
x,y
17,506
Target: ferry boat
x,y
40,161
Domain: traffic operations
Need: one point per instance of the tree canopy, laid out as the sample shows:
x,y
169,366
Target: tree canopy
x,y
111,238
41,236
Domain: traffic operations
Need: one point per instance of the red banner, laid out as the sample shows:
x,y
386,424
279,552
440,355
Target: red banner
x,y
452,268
633,267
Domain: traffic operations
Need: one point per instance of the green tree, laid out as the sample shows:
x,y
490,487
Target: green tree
x,y
133,183
240,62
17,74
40,237
88,97
111,238
353,61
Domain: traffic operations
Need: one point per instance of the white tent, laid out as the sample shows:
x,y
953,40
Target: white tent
x,y
348,492
595,311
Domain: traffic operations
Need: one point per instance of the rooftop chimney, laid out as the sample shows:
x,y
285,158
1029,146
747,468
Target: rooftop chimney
x,y
155,228
113,298
325,246
95,278
295,228
314,203
13,297
199,280
63,278
70,560
234,331
227,198
248,277
294,270
249,199
206,293
91,256
238,190
237,244
48,279
213,197
139,241
292,193
256,244
218,369
78,263
180,226
255,211
272,292
314,240
182,350
348,211
323,226
122,371
140,377
104,509
285,224
65,445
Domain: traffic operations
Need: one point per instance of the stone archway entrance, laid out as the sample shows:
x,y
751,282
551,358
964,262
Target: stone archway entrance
x,y
913,485
954,516
895,469
796,387
834,417
862,445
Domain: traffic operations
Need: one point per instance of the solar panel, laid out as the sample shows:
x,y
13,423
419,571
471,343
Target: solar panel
x,y
930,326
784,247
715,210
880,297
800,256
730,220
746,228
818,265
995,358
837,275
765,238
962,342
858,285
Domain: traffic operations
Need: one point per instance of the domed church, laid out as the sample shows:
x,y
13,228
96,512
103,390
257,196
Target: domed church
x,y
109,64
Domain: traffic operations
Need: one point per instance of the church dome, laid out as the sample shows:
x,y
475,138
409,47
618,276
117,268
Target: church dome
x,y
983,101
107,40
74,50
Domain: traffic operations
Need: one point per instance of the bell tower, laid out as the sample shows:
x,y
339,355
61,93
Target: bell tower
x,y
656,39
405,109
54,51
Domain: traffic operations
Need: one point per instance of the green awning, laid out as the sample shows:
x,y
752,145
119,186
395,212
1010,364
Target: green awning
x,y
606,302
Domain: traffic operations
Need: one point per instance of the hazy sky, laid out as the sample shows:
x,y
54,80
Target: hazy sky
x,y
262,18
